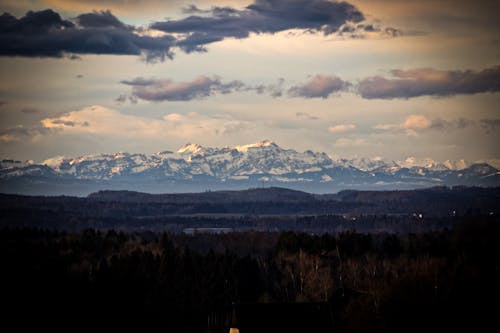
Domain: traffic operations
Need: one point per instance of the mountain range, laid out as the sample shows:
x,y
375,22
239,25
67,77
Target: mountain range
x,y
197,168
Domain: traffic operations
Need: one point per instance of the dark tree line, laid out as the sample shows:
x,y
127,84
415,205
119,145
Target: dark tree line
x,y
375,282
436,202
62,219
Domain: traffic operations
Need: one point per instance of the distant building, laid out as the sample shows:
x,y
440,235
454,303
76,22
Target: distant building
x,y
273,317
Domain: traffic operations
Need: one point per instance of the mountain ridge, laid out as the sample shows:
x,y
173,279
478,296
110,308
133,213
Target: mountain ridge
x,y
199,168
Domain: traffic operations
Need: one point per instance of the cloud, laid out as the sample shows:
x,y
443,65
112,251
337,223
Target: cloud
x,y
262,16
103,19
459,123
386,127
409,83
137,9
490,125
414,124
102,121
152,89
124,98
361,31
274,90
320,86
337,129
46,34
168,90
66,123
19,133
306,116
430,82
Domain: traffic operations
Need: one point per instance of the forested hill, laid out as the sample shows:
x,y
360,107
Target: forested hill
x,y
254,209
271,194
458,195
437,201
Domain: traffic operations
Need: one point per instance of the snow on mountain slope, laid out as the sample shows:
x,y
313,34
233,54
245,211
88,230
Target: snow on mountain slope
x,y
456,165
244,148
263,161
366,164
260,158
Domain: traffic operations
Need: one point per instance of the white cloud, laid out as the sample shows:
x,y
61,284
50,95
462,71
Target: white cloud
x,y
337,129
386,127
416,122
104,121
411,125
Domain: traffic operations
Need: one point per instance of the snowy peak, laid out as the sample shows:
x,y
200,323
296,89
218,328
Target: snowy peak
x,y
264,143
430,164
253,164
456,165
366,164
190,148
411,162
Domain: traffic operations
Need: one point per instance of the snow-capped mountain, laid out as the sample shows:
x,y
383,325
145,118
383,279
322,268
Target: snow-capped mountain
x,y
363,163
194,167
263,158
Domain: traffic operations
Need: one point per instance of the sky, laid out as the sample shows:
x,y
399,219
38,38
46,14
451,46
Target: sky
x,y
361,78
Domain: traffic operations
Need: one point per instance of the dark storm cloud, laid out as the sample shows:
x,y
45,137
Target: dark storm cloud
x,y
46,34
195,42
430,82
320,86
262,16
33,22
168,90
102,19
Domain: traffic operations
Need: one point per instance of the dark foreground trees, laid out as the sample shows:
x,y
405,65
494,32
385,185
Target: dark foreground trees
x,y
375,282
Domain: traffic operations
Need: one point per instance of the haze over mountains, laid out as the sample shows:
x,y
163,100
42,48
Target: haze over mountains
x,y
197,168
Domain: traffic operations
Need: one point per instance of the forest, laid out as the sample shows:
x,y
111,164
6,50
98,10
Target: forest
x,y
374,282
388,261
262,209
